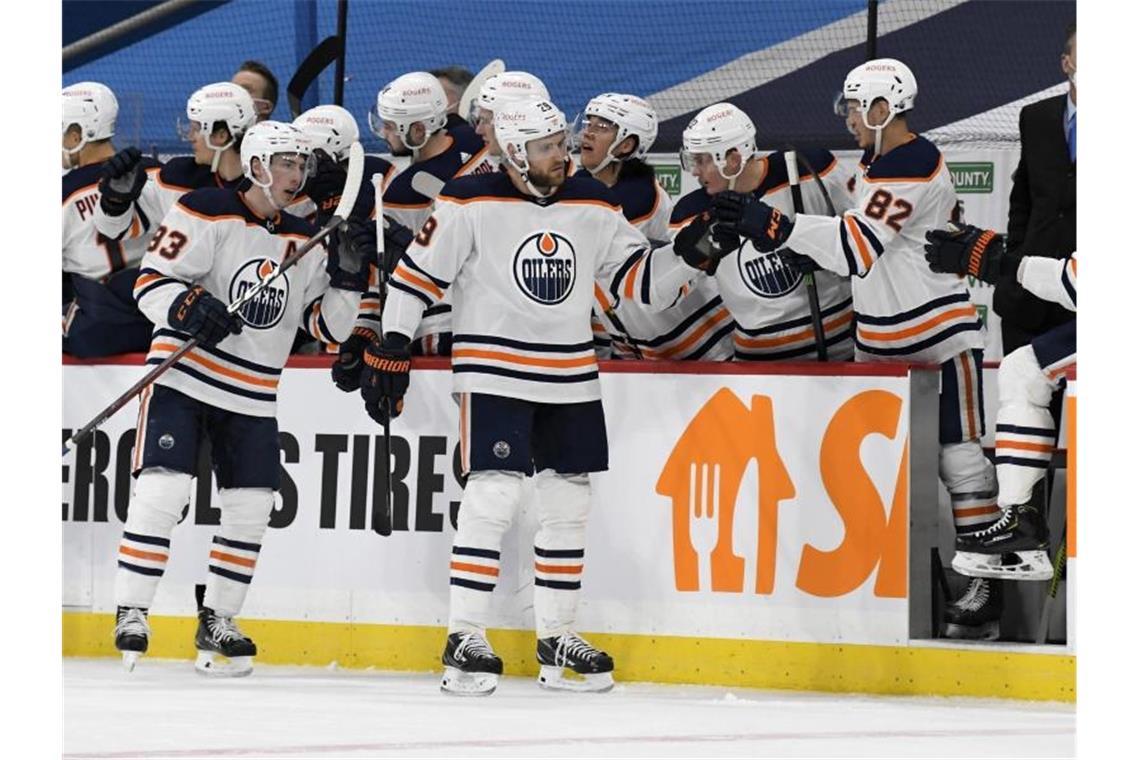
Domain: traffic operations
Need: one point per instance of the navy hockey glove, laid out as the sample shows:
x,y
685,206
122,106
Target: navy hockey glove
x,y
798,261
702,245
397,238
327,183
752,218
349,363
121,181
384,380
351,249
966,249
204,317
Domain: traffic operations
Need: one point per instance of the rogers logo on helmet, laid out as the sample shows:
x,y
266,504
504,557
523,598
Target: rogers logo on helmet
x,y
419,91
223,94
519,85
319,120
720,115
880,67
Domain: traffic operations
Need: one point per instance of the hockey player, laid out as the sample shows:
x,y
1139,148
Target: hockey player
x,y
522,249
767,300
614,134
100,316
903,311
130,206
1015,546
261,85
498,92
211,247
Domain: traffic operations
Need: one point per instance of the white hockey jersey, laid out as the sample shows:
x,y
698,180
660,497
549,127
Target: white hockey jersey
x,y
697,326
902,309
86,251
1050,279
522,273
213,239
768,301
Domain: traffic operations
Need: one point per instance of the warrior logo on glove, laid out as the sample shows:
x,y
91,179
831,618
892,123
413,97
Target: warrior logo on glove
x,y
545,267
267,308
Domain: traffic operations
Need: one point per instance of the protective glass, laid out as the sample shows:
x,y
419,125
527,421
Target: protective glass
x,y
592,125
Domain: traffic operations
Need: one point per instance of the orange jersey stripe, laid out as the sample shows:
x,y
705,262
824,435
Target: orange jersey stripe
x,y
141,554
853,228
405,274
965,311
1005,443
533,361
696,335
215,367
631,277
968,381
795,337
467,567
233,559
560,569
146,279
975,511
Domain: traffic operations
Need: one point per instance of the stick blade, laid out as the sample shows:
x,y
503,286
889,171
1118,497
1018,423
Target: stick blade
x,y
352,181
491,69
427,184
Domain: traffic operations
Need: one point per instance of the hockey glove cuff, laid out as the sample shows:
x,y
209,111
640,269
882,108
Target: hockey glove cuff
x,y
384,379
351,249
203,316
346,369
752,218
121,182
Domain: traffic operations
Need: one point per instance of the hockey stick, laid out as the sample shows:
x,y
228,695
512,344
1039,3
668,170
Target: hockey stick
x,y
318,59
472,90
1054,582
347,199
382,519
809,277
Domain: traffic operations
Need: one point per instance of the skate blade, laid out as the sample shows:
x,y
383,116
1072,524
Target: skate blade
x,y
1015,566
214,665
563,679
462,684
130,659
985,632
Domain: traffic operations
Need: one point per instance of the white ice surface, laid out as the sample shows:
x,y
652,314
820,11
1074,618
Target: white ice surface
x,y
164,709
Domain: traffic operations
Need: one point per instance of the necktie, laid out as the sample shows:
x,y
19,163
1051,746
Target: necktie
x,y
1073,137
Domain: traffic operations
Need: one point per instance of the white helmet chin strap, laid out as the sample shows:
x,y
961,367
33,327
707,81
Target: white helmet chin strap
x,y
265,187
878,130
524,171
415,149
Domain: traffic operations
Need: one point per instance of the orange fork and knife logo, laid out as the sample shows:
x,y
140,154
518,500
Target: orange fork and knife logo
x,y
705,471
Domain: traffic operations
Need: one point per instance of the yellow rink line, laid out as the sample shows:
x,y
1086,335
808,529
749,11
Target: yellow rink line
x,y
639,657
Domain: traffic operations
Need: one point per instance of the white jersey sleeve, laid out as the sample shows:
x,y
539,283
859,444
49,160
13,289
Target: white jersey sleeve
x,y
1050,279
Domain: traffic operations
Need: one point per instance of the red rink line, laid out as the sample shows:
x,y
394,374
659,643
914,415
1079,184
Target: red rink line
x,y
548,741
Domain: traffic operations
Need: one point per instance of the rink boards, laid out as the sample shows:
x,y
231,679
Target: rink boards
x,y
752,530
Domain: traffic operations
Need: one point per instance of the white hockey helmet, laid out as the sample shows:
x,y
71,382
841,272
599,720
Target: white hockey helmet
x,y
224,102
632,116
505,88
716,130
883,78
269,138
94,108
331,128
407,99
519,123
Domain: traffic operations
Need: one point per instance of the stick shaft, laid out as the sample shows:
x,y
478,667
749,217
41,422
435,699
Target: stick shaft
x,y
809,278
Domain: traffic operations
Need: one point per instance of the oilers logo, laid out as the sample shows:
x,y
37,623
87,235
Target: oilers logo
x,y
265,310
765,273
545,268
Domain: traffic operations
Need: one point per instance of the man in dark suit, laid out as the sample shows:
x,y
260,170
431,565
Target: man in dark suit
x,y
1043,204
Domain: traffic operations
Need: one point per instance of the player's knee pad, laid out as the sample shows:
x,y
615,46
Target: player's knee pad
x,y
1021,381
563,500
157,501
490,500
963,468
245,513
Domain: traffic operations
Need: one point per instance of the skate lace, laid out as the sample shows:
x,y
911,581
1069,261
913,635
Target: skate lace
x,y
133,623
1005,522
572,645
976,595
224,629
474,645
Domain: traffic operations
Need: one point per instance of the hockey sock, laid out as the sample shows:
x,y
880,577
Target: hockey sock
x,y
489,503
969,477
559,550
234,552
1025,429
144,549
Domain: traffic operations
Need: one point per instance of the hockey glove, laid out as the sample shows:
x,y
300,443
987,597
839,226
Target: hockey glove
x,y
346,369
752,218
384,379
121,181
965,249
397,238
351,249
204,317
327,183
702,245
798,261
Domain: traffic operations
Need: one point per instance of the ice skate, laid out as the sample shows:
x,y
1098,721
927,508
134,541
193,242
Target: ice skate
x,y
590,669
976,614
223,650
1013,547
132,634
470,666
